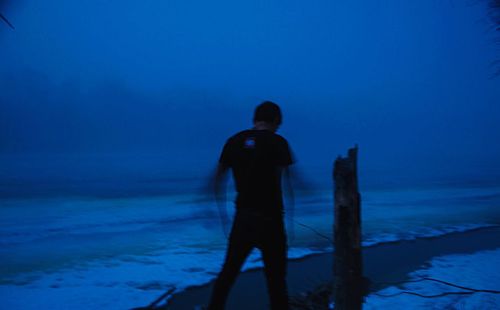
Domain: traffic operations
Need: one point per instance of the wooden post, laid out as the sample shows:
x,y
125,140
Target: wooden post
x,y
347,270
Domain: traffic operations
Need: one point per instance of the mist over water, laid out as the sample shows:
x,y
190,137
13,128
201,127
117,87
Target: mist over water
x,y
125,90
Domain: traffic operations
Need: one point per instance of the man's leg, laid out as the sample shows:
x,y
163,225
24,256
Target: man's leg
x,y
274,255
238,250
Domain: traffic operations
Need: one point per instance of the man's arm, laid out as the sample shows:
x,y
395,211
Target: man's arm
x,y
290,200
220,182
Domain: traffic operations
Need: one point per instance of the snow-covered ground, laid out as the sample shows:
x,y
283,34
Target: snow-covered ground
x,y
479,271
124,283
91,253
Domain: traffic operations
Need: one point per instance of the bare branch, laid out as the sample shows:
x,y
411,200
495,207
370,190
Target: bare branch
x,y
424,296
6,21
314,231
470,290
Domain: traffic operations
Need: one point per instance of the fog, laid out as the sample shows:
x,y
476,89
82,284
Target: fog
x,y
152,88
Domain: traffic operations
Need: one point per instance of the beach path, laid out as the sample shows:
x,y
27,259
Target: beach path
x,y
389,262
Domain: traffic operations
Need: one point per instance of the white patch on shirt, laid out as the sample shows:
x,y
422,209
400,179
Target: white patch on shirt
x,y
250,143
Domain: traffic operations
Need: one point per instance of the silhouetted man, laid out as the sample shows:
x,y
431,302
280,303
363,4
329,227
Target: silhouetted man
x,y
258,157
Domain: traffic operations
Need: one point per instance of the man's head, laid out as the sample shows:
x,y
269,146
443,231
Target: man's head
x,y
267,114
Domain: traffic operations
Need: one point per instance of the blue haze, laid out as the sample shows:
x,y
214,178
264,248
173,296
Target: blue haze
x,y
111,90
113,114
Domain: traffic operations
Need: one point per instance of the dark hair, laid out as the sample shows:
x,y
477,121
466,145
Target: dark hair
x,y
268,112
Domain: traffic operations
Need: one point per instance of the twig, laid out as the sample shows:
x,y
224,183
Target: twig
x,y
470,290
425,296
157,300
314,230
442,282
463,287
6,21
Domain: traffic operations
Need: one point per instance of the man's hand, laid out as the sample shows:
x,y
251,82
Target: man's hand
x,y
220,181
226,225
290,202
290,229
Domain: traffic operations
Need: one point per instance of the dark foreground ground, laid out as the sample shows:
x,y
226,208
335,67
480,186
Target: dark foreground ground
x,y
383,263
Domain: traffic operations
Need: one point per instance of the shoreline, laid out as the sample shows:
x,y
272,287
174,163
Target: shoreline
x,y
383,262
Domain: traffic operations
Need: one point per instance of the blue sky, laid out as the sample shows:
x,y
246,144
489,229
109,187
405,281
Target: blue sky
x,y
410,82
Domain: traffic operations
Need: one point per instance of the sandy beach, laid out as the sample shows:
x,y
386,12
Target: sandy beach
x,y
388,262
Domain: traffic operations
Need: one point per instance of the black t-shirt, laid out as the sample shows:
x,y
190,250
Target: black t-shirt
x,y
257,158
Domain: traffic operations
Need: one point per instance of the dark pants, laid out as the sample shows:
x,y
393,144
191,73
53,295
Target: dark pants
x,y
266,233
